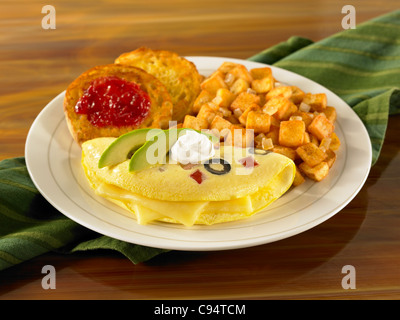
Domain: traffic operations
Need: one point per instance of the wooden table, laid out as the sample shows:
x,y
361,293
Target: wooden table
x,y
37,64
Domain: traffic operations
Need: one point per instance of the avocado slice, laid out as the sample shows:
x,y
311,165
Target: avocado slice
x,y
155,150
122,147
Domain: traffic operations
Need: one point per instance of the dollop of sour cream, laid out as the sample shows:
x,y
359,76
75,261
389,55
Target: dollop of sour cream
x,y
192,147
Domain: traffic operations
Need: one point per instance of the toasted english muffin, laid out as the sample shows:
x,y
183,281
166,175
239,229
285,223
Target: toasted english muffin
x,y
179,75
157,115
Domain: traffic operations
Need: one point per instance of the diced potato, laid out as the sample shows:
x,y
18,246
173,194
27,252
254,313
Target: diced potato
x,y
240,85
220,124
321,127
313,139
223,98
261,73
291,133
335,142
213,83
243,116
282,91
232,119
317,173
306,116
244,100
288,152
227,66
258,121
262,85
330,157
284,107
330,113
298,178
201,99
316,101
263,80
311,154
241,72
306,138
194,123
207,113
297,95
273,133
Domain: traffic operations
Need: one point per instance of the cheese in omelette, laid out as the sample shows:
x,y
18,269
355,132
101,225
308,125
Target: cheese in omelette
x,y
239,184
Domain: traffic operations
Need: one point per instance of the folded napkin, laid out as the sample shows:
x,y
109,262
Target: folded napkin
x,y
360,65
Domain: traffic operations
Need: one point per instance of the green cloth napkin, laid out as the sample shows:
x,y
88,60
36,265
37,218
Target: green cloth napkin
x,y
360,65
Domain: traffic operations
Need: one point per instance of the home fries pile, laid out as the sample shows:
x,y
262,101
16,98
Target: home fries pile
x,y
281,118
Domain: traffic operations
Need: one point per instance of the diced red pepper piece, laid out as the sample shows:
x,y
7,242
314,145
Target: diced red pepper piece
x,y
248,162
198,176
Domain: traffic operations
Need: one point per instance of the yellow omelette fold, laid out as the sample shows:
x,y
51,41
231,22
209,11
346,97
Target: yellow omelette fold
x,y
169,193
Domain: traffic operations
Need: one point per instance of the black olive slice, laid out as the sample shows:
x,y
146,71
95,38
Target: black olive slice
x,y
259,151
217,166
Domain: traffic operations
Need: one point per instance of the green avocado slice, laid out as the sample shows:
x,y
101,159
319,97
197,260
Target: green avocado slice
x,y
122,147
155,150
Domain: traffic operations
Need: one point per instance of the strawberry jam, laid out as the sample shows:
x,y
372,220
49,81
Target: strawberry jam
x,y
111,101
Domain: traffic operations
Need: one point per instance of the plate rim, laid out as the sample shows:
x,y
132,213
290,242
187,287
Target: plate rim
x,y
226,246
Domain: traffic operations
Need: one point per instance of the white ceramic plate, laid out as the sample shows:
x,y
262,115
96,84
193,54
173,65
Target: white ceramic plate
x,y
53,160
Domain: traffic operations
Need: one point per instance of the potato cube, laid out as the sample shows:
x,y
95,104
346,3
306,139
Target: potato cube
x,y
284,107
241,72
263,80
243,116
240,85
330,157
297,95
220,123
316,101
307,117
262,85
227,66
291,133
311,154
317,173
244,100
213,83
258,121
273,133
335,142
223,98
321,127
207,113
194,123
203,97
281,91
313,139
288,152
298,178
330,113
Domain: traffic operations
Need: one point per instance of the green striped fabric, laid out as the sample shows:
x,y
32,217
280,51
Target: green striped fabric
x,y
360,65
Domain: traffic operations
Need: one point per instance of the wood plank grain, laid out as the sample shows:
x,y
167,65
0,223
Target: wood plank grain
x,y
37,64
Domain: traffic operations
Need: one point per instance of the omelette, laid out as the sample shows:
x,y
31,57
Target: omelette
x,y
235,183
